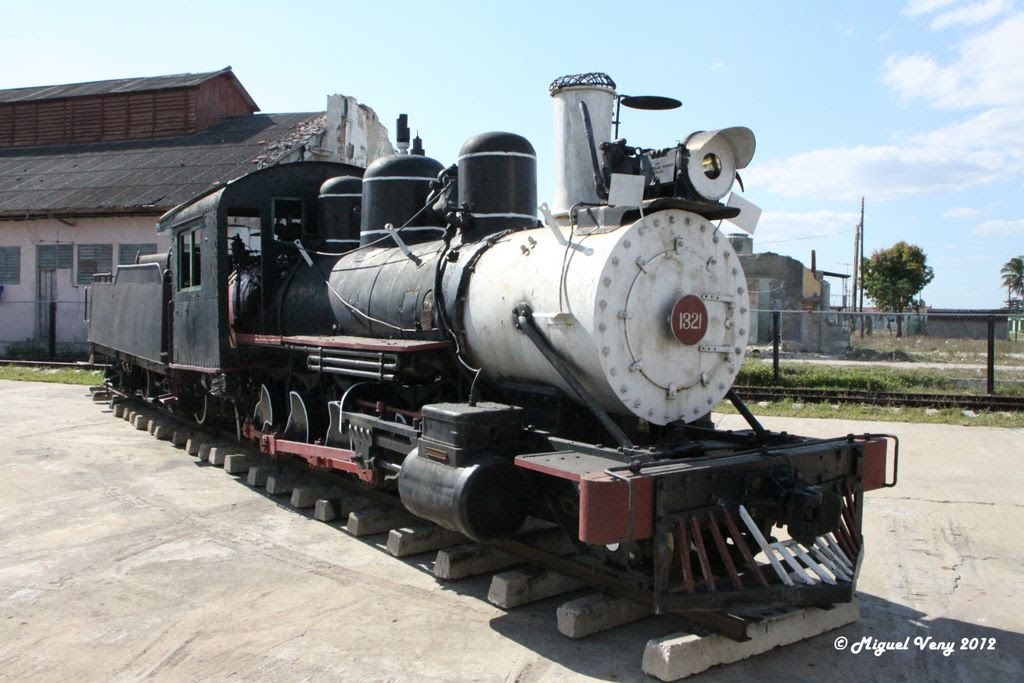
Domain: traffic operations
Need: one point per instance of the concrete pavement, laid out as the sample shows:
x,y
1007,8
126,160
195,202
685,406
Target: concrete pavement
x,y
122,557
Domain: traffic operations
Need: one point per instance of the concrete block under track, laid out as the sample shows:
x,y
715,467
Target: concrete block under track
x,y
376,521
306,496
161,431
597,612
257,476
339,507
220,452
237,463
471,559
280,484
325,510
681,655
522,586
421,539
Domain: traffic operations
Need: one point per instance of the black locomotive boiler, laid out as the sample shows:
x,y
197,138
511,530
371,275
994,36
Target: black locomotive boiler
x,y
419,328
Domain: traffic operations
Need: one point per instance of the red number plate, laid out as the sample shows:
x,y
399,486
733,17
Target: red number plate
x,y
689,320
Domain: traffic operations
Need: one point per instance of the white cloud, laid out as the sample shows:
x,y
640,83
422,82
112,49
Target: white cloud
x,y
987,71
918,7
961,213
972,152
1000,228
970,15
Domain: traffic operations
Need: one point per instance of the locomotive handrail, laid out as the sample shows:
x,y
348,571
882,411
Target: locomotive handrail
x,y
895,455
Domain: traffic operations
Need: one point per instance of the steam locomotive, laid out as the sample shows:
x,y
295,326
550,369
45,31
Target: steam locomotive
x,y
419,328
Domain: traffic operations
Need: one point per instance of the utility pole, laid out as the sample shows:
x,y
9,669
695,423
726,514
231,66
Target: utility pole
x,y
860,260
856,268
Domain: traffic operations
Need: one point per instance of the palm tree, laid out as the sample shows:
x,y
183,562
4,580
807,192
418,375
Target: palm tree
x,y
1013,279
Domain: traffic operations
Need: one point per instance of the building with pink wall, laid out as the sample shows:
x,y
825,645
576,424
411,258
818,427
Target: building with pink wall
x,y
86,169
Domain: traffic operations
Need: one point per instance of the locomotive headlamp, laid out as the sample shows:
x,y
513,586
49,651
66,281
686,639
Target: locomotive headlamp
x,y
712,166
714,157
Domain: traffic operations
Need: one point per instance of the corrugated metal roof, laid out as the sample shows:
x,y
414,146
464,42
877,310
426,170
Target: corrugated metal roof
x,y
147,174
122,85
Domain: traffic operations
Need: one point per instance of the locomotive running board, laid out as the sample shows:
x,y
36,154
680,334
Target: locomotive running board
x,y
344,342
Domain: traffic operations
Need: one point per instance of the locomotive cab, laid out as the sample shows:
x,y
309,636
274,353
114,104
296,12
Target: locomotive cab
x,y
231,249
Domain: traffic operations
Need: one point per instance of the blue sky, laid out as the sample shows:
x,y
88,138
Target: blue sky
x,y
916,106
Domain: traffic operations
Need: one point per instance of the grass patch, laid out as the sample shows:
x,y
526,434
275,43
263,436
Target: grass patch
x,y
21,373
868,413
876,378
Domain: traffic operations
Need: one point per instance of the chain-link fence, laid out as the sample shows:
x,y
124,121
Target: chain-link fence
x,y
980,352
43,329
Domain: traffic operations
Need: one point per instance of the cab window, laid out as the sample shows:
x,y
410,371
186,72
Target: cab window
x,y
190,272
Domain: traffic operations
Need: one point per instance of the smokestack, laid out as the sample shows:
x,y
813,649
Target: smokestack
x,y
814,262
574,169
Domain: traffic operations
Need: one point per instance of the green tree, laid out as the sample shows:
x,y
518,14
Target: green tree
x,y
893,277
1013,279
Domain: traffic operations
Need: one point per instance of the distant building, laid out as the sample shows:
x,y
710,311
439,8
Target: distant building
x,y
86,168
782,283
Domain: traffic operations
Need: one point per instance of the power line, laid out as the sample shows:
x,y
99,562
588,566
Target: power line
x,y
807,237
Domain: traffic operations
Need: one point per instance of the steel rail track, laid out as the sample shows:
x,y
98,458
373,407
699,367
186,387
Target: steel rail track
x,y
920,400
